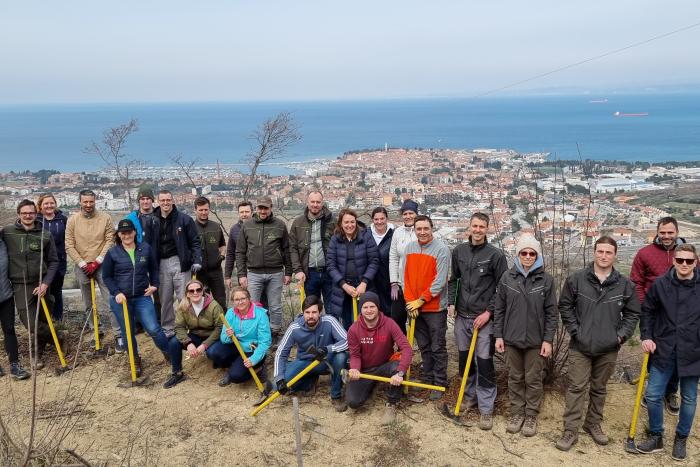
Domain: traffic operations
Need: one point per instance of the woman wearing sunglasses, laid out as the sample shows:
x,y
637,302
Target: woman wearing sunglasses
x,y
197,328
525,320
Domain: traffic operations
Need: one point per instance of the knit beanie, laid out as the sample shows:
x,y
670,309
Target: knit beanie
x,y
369,297
409,205
146,192
528,241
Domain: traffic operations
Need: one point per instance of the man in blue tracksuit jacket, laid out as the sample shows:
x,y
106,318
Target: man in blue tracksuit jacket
x,y
317,337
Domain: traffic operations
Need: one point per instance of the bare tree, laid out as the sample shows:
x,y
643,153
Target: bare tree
x,y
271,139
110,150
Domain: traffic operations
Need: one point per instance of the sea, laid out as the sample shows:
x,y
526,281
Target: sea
x,y
646,127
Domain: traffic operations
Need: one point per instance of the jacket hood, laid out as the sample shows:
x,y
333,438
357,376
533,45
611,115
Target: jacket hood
x,y
38,225
324,214
257,219
539,263
679,241
58,214
673,278
156,211
389,226
612,278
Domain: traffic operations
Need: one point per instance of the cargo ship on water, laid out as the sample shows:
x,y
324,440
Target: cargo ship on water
x,y
622,114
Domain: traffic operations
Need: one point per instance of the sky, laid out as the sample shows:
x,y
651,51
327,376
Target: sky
x,y
153,51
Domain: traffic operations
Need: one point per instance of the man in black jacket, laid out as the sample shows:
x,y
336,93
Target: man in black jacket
x,y
670,331
179,253
599,308
211,237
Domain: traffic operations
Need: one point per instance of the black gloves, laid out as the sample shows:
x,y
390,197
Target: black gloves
x,y
282,387
320,354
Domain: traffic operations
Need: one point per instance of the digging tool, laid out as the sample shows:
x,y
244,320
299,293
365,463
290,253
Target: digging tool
x,y
64,366
95,319
291,383
629,444
445,409
132,362
354,309
259,384
411,336
302,296
345,376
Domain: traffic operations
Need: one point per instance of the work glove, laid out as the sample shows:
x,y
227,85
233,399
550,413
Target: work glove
x,y
394,292
196,267
320,354
91,268
413,308
282,387
222,258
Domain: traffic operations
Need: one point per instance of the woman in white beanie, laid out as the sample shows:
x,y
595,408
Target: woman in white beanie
x,y
525,321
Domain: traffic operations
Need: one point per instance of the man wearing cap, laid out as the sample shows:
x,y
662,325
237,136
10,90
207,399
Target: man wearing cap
x,y
245,212
89,235
264,264
317,337
179,253
371,340
143,219
397,261
308,242
211,237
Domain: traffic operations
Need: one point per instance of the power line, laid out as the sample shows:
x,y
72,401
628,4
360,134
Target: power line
x,y
590,59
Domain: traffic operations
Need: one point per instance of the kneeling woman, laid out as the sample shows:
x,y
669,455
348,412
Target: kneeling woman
x,y
251,326
197,327
130,272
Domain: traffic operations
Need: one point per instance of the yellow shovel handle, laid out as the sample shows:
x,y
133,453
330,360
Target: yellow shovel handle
x,y
384,379
411,336
470,357
95,319
127,325
302,296
354,309
243,355
640,390
53,332
291,383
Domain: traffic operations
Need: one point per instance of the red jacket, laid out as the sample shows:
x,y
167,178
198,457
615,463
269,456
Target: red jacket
x,y
651,262
373,347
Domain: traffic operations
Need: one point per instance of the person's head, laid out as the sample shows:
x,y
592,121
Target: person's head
x,y
369,307
126,233
87,201
667,231
47,204
194,291
201,208
314,201
527,250
264,207
478,228
379,219
146,200
347,223
685,261
312,306
409,211
245,210
241,299
26,213
605,252
424,229
165,202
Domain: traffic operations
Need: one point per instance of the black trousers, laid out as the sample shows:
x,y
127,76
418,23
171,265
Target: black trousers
x,y
7,320
214,279
398,311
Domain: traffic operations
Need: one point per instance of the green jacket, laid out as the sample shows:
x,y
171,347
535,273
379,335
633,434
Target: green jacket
x,y
300,238
24,251
207,325
263,247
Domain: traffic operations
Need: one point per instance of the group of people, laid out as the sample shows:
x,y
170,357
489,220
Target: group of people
x,y
167,268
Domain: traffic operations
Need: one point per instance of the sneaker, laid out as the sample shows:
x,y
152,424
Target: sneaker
x,y
17,372
174,379
568,439
119,345
225,380
276,335
653,443
389,416
339,405
671,404
530,426
485,421
597,434
515,423
679,452
435,395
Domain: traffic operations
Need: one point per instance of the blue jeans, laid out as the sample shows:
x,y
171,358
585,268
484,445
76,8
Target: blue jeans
x,y
272,285
656,389
227,356
140,308
175,349
319,282
336,360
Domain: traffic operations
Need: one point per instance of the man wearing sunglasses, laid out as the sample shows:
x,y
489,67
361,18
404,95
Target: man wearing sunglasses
x,y
670,331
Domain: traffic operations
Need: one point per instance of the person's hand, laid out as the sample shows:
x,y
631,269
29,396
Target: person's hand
x,y
500,345
413,308
282,387
546,350
481,320
349,289
394,292
91,268
229,283
287,280
300,277
320,354
451,311
150,290
120,298
196,267
82,265
649,346
247,363
191,350
361,289
40,291
353,375
202,349
243,282
396,380
229,332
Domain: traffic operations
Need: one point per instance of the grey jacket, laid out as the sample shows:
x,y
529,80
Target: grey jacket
x,y
5,284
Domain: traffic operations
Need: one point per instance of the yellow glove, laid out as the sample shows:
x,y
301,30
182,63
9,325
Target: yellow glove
x,y
413,307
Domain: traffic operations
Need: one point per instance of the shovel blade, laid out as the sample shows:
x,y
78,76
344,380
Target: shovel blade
x,y
456,419
139,382
630,446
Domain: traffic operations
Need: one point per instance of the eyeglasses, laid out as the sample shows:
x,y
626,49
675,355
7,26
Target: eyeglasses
x,y
532,254
33,213
197,290
687,261
239,300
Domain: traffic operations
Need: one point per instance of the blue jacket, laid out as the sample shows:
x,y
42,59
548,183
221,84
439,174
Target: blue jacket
x,y
147,226
186,238
57,227
250,331
366,264
121,276
328,333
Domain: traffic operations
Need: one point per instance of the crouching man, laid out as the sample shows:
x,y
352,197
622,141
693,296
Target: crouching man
x,y
371,340
317,337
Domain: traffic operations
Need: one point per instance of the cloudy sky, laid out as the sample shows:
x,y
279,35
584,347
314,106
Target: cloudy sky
x,y
126,51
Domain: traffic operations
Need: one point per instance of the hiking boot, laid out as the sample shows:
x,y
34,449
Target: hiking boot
x,y
225,380
568,439
530,426
119,345
389,416
17,372
679,452
435,395
515,423
339,405
653,443
485,421
276,335
671,404
597,434
174,379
